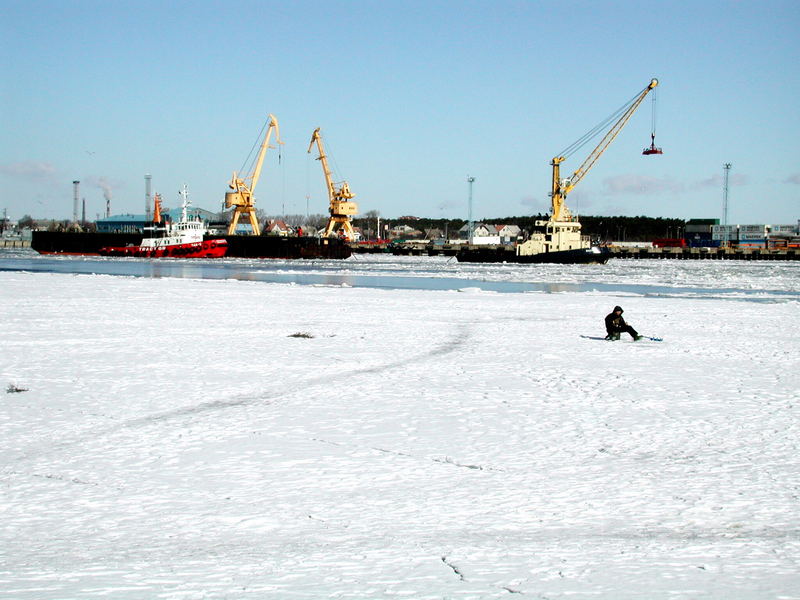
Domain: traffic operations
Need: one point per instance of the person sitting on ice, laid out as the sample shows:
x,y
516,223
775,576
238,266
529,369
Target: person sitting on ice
x,y
615,325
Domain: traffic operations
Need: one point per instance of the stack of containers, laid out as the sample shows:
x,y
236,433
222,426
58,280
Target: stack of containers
x,y
753,236
725,233
784,235
697,232
783,230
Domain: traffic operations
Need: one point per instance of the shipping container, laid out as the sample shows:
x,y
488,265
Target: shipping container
x,y
753,228
702,242
698,228
784,242
669,243
783,229
732,236
745,236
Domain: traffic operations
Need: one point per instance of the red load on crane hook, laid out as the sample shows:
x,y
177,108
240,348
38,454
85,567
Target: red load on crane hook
x,y
652,149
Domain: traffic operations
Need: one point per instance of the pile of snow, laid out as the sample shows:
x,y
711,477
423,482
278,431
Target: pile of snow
x,y
178,438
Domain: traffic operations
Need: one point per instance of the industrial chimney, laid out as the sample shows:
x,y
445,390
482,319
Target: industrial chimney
x,y
75,185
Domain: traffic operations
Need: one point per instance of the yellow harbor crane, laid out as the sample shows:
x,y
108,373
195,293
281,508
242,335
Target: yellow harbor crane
x,y
341,209
241,198
562,231
562,187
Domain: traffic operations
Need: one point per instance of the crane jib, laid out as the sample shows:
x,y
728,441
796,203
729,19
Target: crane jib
x,y
560,188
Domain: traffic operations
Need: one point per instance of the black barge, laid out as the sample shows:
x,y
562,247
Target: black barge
x,y
239,246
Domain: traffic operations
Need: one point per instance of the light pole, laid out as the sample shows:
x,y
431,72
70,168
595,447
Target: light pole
x,y
727,168
726,234
470,224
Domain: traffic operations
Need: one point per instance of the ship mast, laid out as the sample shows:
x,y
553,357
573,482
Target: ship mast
x,y
184,194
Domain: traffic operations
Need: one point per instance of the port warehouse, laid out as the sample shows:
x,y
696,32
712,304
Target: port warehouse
x,y
137,223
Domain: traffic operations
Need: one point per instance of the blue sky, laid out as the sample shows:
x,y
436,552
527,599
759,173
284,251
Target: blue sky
x,y
412,97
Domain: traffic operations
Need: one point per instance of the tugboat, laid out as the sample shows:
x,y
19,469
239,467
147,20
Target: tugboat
x,y
559,242
183,239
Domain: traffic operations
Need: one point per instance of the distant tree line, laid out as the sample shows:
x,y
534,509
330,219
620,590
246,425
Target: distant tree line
x,y
28,222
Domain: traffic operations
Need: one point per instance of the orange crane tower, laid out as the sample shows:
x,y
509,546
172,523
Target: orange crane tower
x,y
241,198
341,209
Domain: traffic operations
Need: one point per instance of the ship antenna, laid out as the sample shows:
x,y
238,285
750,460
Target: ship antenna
x,y
185,195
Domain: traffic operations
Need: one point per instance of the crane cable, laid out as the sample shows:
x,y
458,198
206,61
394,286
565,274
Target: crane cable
x,y
308,180
336,174
585,138
283,177
653,118
250,157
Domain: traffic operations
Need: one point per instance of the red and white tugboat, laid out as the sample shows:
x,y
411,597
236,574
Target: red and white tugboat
x,y
183,239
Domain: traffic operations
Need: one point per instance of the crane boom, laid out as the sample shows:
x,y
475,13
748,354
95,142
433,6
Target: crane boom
x,y
340,207
273,123
241,198
561,188
316,137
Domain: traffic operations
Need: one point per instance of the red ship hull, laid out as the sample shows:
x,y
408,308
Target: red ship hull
x,y
214,248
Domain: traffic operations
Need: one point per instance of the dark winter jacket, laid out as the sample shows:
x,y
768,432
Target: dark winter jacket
x,y
614,322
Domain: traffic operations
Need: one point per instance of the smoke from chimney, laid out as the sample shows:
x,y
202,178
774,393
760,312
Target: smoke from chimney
x,y
103,184
106,186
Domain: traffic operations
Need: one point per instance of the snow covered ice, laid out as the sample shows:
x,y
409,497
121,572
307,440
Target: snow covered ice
x,y
179,439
